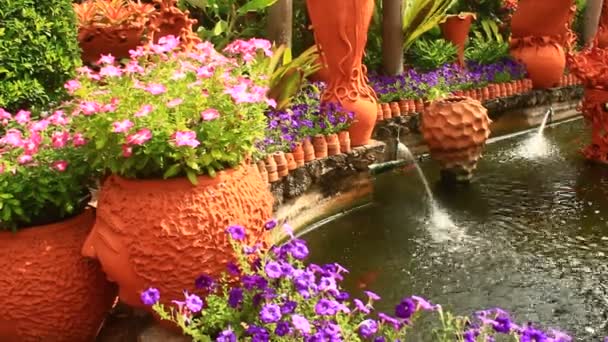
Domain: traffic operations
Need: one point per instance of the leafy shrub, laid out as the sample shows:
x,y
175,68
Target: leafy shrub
x,y
38,51
43,176
279,297
432,54
168,114
484,51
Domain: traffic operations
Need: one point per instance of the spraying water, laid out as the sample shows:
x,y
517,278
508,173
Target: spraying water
x,y
536,146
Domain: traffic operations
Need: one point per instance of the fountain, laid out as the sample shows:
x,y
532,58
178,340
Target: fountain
x,y
537,146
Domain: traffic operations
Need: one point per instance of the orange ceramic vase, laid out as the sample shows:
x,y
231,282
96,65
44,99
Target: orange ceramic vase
x,y
48,290
340,29
166,233
97,41
541,18
543,57
456,130
455,29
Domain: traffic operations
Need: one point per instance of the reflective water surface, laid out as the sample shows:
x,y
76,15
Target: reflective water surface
x,y
529,235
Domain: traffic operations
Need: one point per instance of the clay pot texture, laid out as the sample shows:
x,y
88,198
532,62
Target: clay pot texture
x,y
48,290
404,107
340,30
271,169
291,162
455,29
262,170
455,125
117,41
298,154
386,111
544,59
320,146
531,18
344,139
166,233
333,144
309,150
279,159
395,110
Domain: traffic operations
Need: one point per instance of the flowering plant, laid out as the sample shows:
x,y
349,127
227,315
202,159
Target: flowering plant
x,y
167,113
112,13
43,175
278,297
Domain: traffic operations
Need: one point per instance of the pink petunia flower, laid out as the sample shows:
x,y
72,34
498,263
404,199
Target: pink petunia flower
x,y
185,138
22,116
210,114
134,68
58,118
89,107
106,59
60,139
78,140
4,114
12,137
140,137
127,151
60,165
204,72
40,125
155,88
122,126
110,71
24,159
72,85
174,103
144,110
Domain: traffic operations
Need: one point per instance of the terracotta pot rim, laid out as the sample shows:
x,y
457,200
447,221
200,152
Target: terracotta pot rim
x,y
178,183
51,228
123,27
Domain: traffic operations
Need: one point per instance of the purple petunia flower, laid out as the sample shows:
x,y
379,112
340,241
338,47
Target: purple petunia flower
x,y
423,304
233,269
298,249
405,309
150,296
270,224
530,334
288,307
254,281
237,232
258,334
204,282
301,324
226,336
360,306
368,328
273,270
282,329
270,313
235,297
193,302
372,296
395,323
326,307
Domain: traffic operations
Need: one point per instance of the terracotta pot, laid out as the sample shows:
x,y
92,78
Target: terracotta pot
x,y
279,159
291,162
320,145
411,104
97,41
485,93
340,30
379,114
271,169
386,111
531,19
168,19
49,291
508,89
404,107
594,112
298,154
493,91
333,145
309,150
262,171
456,30
144,228
456,129
419,106
544,60
395,110
344,139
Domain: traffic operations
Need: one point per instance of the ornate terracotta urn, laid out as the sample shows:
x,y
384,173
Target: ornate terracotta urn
x,y
165,233
455,29
340,29
456,130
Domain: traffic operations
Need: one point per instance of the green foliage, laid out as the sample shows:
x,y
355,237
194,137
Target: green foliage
x,y
373,49
170,114
429,55
488,30
38,51
223,21
579,22
43,175
420,16
287,75
485,51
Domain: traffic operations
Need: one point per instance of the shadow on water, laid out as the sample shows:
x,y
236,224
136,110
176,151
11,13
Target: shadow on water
x,y
532,238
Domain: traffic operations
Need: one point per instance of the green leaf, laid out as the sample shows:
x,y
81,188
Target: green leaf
x,y
191,177
101,141
255,5
172,171
219,28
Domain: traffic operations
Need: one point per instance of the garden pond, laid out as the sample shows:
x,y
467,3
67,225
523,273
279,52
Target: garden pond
x,y
529,235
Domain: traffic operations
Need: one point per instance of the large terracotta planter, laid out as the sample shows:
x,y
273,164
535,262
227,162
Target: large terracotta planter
x,y
544,59
456,129
170,20
455,29
541,18
48,290
596,115
117,41
165,233
340,29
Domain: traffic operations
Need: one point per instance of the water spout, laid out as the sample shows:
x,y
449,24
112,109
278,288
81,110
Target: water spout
x,y
537,145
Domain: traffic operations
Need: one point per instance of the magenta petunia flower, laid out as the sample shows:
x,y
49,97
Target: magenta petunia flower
x,y
60,165
155,88
140,137
185,138
210,114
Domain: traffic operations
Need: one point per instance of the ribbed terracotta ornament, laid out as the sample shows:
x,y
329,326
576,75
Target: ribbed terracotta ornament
x,y
165,233
456,130
48,290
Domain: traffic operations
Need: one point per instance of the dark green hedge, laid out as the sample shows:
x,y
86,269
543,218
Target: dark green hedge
x,y
38,51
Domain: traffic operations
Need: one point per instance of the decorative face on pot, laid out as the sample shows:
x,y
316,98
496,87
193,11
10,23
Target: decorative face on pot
x,y
165,234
